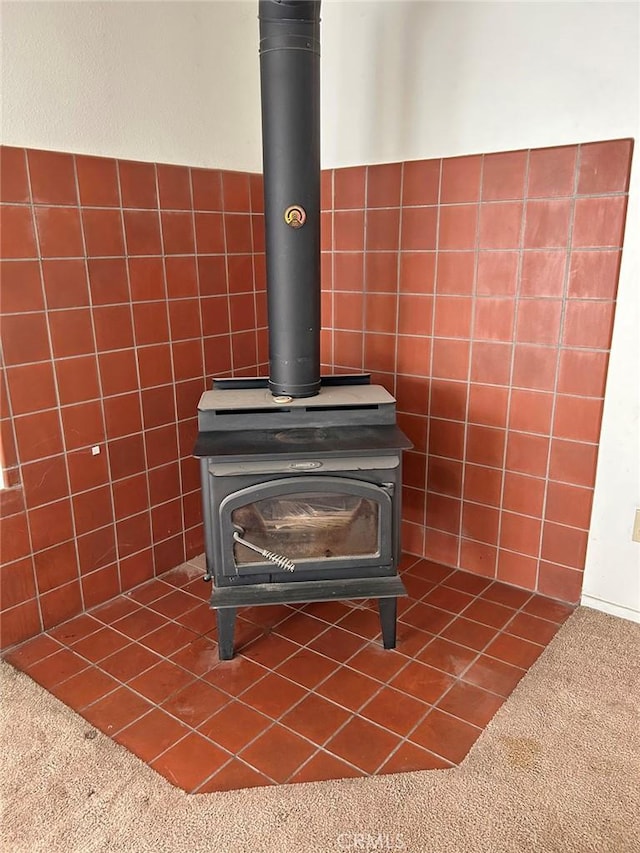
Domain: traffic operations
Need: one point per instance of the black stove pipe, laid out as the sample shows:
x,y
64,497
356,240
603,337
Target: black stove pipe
x,y
290,90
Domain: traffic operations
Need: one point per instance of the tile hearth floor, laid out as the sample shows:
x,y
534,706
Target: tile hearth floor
x,y
310,694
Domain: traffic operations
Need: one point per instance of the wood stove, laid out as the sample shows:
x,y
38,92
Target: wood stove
x,y
301,474
301,500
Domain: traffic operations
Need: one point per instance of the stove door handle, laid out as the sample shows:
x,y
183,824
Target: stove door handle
x,y
280,561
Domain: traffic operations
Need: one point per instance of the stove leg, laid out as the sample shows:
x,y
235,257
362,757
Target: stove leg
x,y
388,608
226,619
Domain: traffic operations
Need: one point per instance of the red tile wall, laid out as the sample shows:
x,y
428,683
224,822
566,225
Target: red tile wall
x,y
124,287
481,292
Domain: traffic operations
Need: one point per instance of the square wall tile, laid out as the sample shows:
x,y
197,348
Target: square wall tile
x,y
13,175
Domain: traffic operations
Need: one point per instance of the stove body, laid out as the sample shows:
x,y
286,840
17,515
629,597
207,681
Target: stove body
x,y
301,500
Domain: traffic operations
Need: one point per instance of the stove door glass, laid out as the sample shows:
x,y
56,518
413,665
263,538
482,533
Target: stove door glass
x,y
307,526
314,523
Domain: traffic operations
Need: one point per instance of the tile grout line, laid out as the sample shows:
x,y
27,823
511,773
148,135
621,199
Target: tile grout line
x,y
170,342
465,438
65,445
12,427
510,387
435,291
555,393
196,258
134,342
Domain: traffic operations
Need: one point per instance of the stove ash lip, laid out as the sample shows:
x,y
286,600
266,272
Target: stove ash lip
x,y
301,435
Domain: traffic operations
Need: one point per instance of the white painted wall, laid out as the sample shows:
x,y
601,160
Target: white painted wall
x,y
178,82
170,82
410,80
612,574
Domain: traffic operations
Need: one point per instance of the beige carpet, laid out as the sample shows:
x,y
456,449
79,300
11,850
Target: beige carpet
x,y
558,769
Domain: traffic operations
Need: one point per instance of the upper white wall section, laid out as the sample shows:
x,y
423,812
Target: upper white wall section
x,y
178,82
169,82
412,80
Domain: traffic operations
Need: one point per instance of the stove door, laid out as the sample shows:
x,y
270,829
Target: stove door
x,y
313,523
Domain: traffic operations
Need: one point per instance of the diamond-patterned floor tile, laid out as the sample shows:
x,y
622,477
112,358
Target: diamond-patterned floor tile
x,y
363,744
494,675
234,776
161,681
427,618
445,736
235,676
300,628
532,628
547,608
33,651
337,644
324,766
199,619
489,613
117,710
199,656
466,582
277,753
447,656
307,668
76,629
514,650
376,662
394,710
410,757
316,718
422,681
195,703
139,623
190,762
510,596
235,726
471,634
310,694
84,688
152,734
100,645
270,650
470,703
174,604
113,610
151,591
348,688
129,661
168,639
361,621
417,587
56,668
273,695
450,600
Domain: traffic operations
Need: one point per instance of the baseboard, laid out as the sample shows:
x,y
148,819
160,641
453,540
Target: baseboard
x,y
612,609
